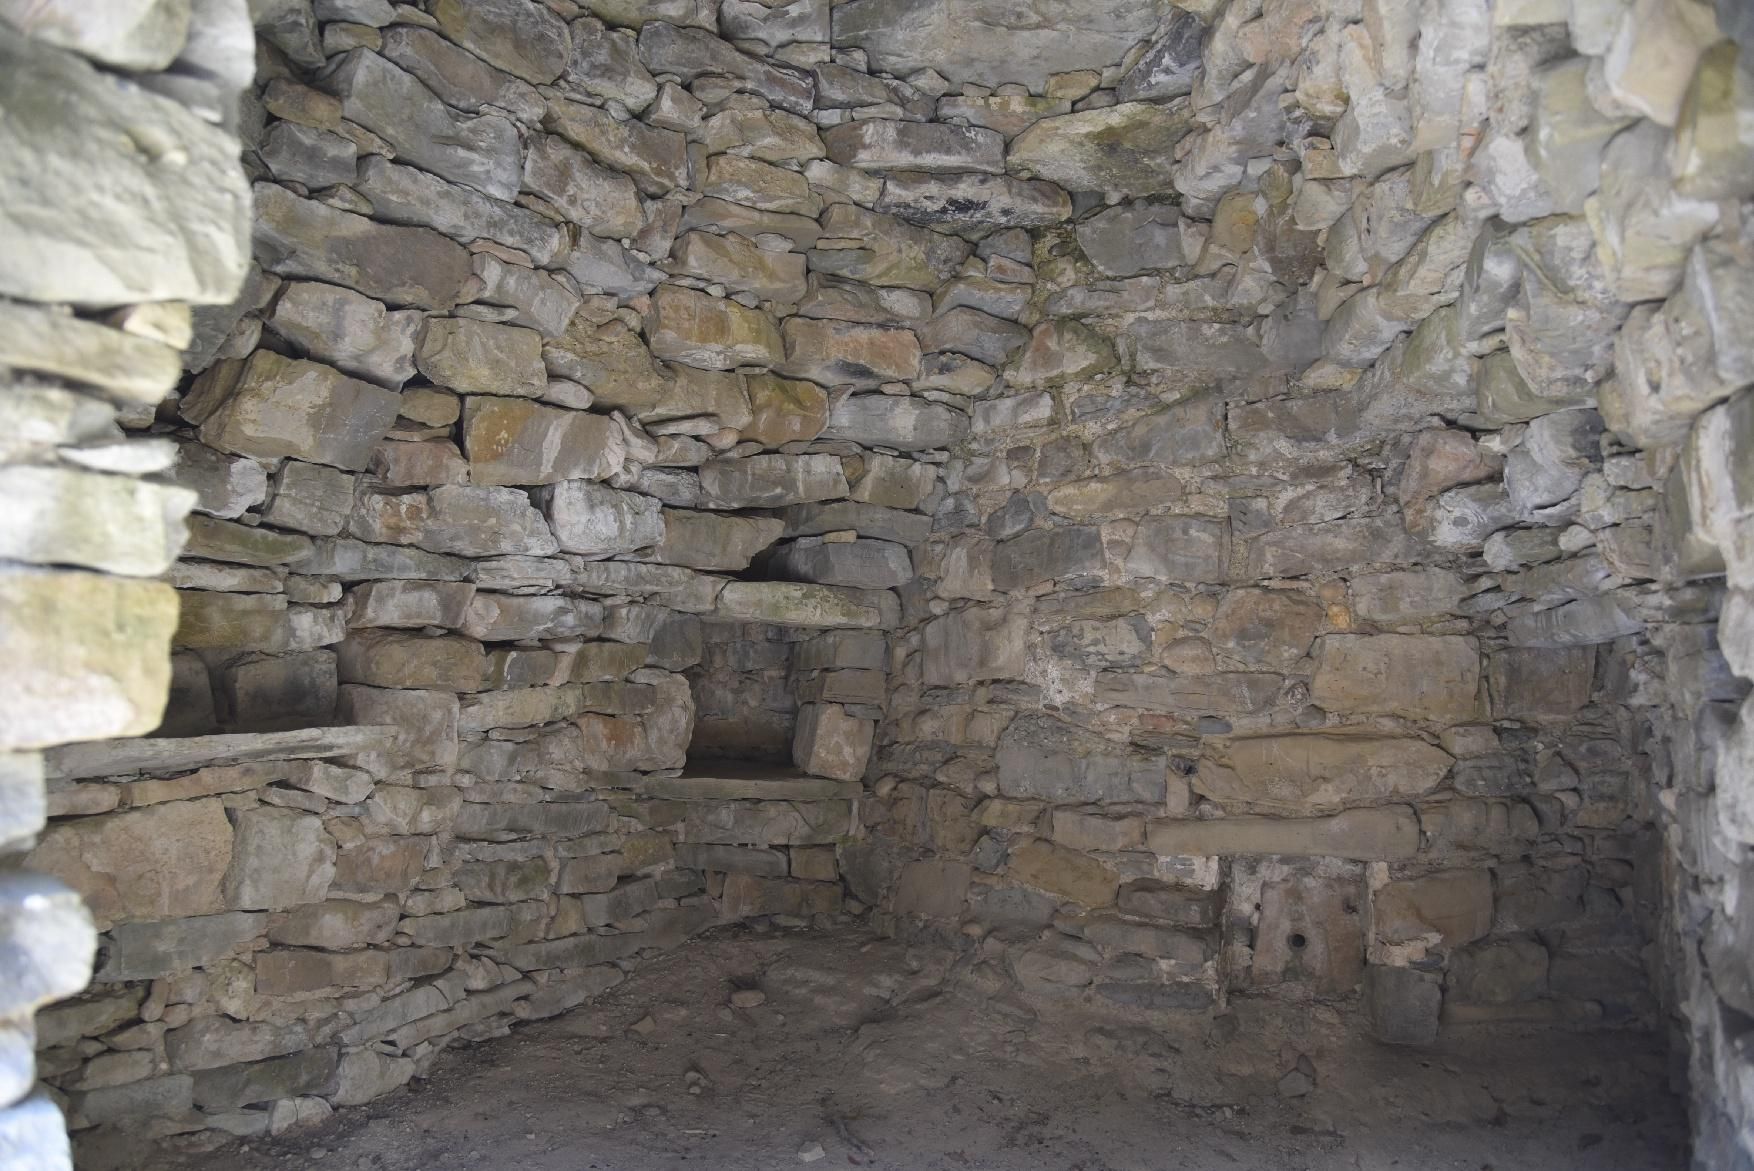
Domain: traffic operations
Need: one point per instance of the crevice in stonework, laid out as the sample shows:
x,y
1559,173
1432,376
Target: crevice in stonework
x,y
1176,517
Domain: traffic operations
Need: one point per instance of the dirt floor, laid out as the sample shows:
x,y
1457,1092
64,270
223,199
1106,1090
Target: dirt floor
x,y
867,1053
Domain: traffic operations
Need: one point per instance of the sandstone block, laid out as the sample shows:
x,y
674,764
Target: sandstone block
x,y
272,407
280,858
713,333
478,152
1385,834
1069,874
877,144
1420,676
145,232
1046,759
599,200
831,743
835,353
98,649
1303,773
704,540
516,441
771,481
403,266
1129,147
481,357
162,862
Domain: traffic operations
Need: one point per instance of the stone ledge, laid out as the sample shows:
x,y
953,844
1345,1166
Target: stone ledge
x,y
114,758
743,780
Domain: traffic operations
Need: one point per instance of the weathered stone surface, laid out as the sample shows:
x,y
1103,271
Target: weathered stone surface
x,y
601,201
906,424
737,263
1421,676
976,642
1129,148
1304,773
270,406
656,159
598,521
516,441
784,410
775,25
1171,66
399,265
835,353
606,63
997,201
1133,237
523,39
713,333
876,144
797,604
770,481
477,152
1044,758
864,563
831,743
405,195
1370,835
353,333
704,540
147,232
1180,548
1402,1004
383,658
690,52
481,357
100,652
968,41
772,136
280,858
1042,555
759,185
147,951
65,516
163,862
1070,874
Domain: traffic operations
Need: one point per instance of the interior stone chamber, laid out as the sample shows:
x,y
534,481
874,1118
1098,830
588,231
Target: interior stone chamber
x,y
1177,502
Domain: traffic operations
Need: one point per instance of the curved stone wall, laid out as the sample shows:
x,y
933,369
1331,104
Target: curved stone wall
x,y
1230,499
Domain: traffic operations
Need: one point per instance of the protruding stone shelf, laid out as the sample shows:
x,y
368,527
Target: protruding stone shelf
x,y
114,758
746,780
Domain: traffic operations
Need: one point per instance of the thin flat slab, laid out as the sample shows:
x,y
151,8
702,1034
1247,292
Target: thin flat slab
x,y
746,780
115,758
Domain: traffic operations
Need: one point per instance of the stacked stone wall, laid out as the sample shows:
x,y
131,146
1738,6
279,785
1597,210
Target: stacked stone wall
x,y
1253,499
1328,598
577,368
122,205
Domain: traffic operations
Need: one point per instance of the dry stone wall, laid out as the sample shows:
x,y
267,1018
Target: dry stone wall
x,y
591,361
124,205
1216,499
1328,597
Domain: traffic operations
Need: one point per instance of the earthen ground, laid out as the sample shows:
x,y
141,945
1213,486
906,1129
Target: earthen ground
x,y
896,1058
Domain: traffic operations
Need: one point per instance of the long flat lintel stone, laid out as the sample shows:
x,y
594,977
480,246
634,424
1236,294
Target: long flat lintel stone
x,y
114,758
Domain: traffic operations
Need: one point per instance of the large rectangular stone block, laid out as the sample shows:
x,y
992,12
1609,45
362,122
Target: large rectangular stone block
x,y
1047,759
89,655
270,407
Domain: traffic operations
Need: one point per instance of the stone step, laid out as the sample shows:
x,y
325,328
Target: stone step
x,y
748,780
175,754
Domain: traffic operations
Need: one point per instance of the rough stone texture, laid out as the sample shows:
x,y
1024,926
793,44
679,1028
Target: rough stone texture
x,y
145,233
1296,532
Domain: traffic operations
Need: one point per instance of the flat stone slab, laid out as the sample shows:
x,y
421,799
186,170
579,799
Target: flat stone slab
x,y
748,780
114,758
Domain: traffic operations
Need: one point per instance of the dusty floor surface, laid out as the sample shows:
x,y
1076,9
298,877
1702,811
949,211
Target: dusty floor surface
x,y
864,1049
